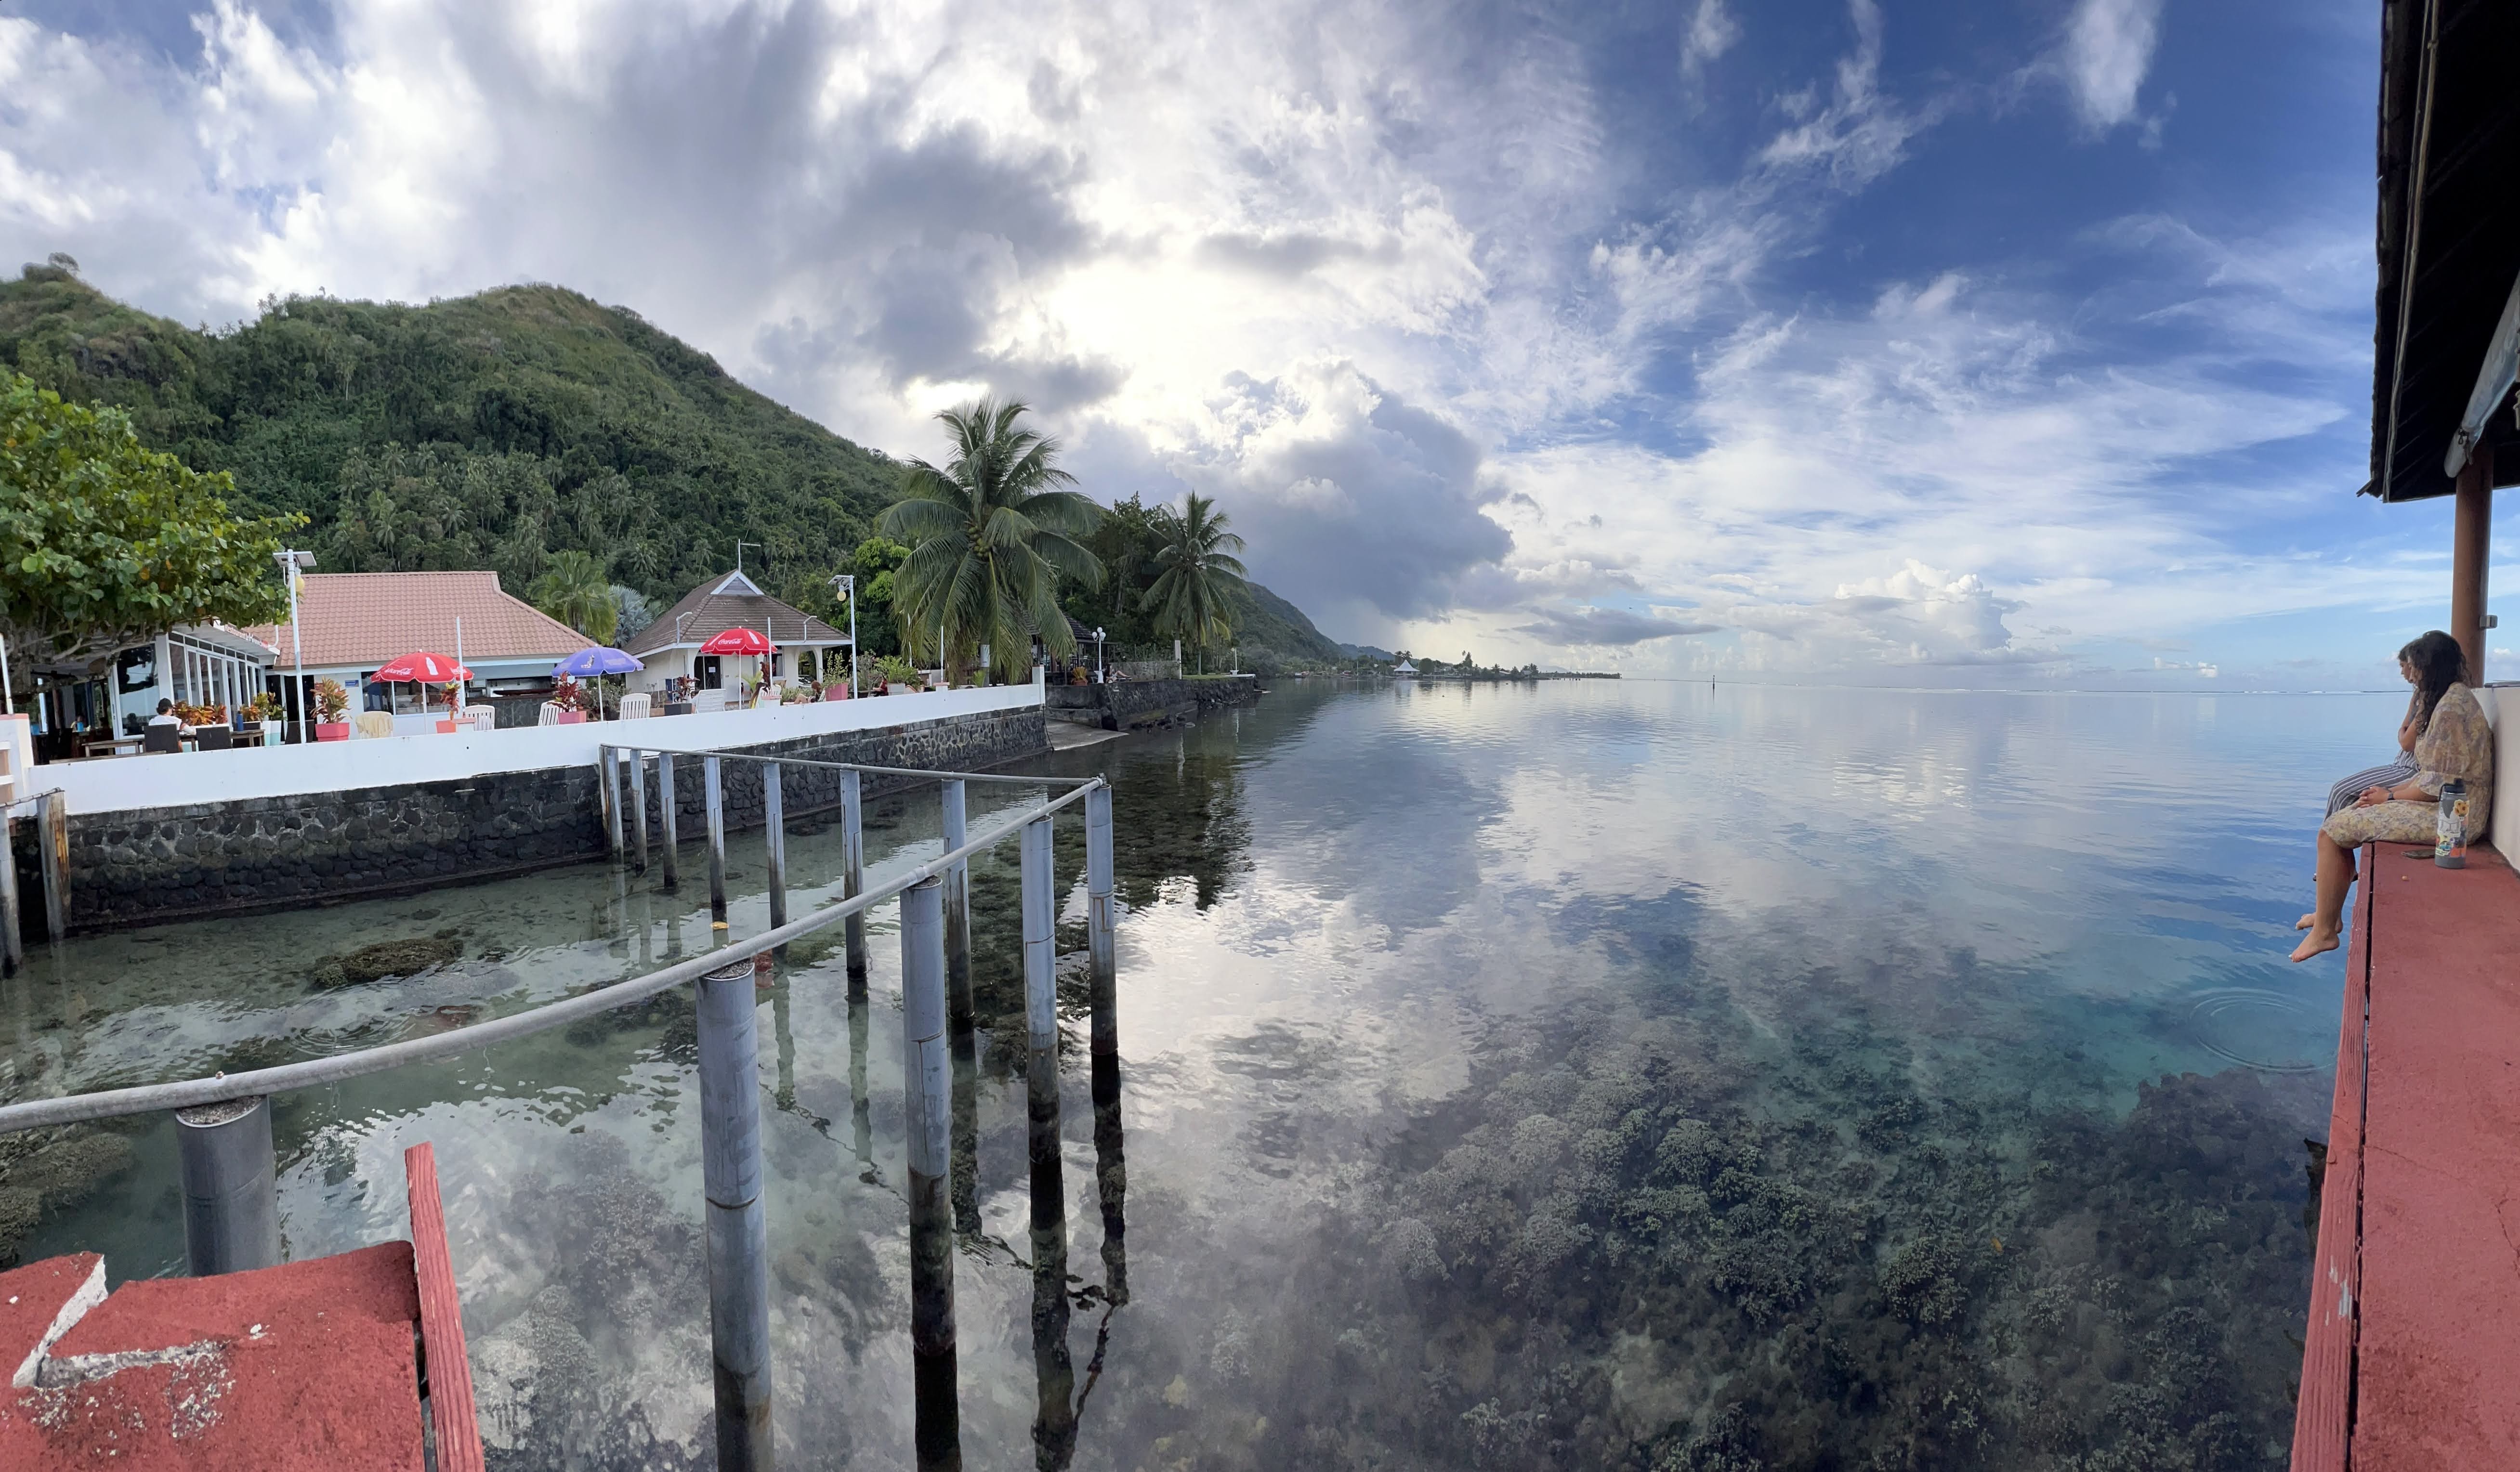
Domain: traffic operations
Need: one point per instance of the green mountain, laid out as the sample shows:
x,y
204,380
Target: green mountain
x,y
1275,624
490,431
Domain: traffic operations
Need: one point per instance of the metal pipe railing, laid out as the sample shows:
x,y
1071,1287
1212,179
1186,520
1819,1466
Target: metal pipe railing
x,y
228,1170
148,1098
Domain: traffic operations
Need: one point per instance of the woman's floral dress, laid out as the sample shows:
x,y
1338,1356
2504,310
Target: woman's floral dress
x,y
2456,743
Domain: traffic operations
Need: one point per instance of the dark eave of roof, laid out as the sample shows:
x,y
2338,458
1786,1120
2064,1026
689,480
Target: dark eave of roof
x,y
2461,224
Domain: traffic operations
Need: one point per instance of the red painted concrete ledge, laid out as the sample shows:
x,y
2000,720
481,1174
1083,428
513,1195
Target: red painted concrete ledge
x,y
308,1366
2412,1360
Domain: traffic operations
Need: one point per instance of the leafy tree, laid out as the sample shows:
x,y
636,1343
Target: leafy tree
x,y
573,590
1191,597
875,563
105,543
990,536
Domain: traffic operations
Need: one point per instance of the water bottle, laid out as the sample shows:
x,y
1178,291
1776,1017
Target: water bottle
x,y
2449,844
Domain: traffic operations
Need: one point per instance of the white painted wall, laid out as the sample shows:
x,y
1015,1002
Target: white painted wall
x,y
198,776
2501,704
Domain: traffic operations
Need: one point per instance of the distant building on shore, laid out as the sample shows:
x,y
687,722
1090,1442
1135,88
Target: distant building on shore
x,y
1404,670
671,645
351,623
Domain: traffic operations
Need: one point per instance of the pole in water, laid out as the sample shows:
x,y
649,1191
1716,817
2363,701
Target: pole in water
x,y
773,840
960,1014
739,1234
853,876
1054,1427
12,942
936,1411
607,770
1041,982
714,800
54,838
1101,921
639,803
668,821
231,1186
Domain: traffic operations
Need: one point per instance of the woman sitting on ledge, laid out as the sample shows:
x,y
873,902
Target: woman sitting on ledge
x,y
2456,743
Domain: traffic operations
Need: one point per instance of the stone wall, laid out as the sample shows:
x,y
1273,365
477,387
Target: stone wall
x,y
1145,702
151,866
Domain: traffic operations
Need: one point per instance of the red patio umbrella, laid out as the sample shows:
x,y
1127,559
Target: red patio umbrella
x,y
738,640
426,669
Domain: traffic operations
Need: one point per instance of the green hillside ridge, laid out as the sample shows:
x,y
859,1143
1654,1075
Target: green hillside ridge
x,y
490,431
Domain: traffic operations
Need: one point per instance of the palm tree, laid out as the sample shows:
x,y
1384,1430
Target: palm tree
x,y
1200,573
990,535
574,589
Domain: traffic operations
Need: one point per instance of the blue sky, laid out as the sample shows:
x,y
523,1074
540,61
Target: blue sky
x,y
1973,342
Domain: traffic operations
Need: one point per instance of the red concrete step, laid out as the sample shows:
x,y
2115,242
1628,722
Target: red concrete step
x,y
2415,1325
308,1366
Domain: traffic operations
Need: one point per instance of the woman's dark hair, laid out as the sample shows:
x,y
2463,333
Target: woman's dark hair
x,y
2439,663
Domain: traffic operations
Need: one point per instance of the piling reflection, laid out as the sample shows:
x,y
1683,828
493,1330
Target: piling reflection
x,y
1054,1428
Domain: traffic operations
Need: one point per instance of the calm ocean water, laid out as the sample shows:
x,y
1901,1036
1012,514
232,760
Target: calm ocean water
x,y
1590,1075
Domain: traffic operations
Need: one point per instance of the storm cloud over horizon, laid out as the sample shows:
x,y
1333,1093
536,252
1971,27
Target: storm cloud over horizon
x,y
1813,338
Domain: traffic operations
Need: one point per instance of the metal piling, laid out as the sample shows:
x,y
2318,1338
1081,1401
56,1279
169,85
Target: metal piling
x,y
668,819
960,1014
853,875
639,804
231,1186
714,800
739,1236
774,841
936,1411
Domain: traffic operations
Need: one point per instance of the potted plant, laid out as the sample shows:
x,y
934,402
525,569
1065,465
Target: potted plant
x,y
569,699
332,711
261,715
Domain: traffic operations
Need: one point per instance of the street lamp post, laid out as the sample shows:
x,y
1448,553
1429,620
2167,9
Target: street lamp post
x,y
291,565
847,584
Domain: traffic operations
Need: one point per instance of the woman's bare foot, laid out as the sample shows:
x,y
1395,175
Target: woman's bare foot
x,y
2319,941
2306,921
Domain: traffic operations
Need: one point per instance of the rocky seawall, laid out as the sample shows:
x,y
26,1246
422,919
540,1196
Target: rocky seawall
x,y
1132,703
141,866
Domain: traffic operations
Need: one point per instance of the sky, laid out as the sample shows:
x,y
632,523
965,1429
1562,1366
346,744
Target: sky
x,y
1972,342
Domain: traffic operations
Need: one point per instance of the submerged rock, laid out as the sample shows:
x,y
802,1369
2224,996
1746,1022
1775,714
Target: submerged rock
x,y
385,959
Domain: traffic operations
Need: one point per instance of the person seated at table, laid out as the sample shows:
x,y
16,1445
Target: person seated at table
x,y
166,716
2456,743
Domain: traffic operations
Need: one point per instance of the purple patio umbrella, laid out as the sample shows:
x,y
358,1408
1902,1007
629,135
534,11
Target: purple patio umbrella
x,y
599,660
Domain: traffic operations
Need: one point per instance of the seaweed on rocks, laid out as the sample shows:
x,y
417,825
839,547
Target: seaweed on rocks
x,y
46,1170
408,956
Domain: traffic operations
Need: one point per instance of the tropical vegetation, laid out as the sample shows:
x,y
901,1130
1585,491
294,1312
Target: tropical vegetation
x,y
105,543
991,535
1190,598
512,429
572,589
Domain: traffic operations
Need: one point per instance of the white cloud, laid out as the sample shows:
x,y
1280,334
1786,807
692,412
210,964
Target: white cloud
x,y
2107,50
1395,281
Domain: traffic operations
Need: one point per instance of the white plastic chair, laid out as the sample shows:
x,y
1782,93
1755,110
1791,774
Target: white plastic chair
x,y
550,715
372,723
637,706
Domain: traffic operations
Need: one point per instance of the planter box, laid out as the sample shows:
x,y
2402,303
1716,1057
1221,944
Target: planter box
x,y
572,718
331,730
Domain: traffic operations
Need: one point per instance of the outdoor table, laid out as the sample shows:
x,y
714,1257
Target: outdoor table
x,y
112,746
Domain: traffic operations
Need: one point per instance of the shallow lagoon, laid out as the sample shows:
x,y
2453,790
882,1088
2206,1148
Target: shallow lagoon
x,y
1622,1074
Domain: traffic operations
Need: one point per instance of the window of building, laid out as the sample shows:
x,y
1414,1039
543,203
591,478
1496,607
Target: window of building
x,y
705,668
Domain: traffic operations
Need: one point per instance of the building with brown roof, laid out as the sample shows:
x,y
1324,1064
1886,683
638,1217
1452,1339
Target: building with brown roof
x,y
350,623
671,645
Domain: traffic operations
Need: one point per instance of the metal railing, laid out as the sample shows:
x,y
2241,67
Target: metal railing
x,y
224,1122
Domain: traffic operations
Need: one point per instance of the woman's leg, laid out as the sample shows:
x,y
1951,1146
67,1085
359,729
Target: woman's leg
x,y
2335,880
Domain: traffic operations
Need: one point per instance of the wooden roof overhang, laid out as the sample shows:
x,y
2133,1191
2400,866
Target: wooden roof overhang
x,y
2449,239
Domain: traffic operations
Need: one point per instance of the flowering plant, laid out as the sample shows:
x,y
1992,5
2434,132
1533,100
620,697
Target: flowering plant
x,y
200,715
263,707
331,701
567,694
